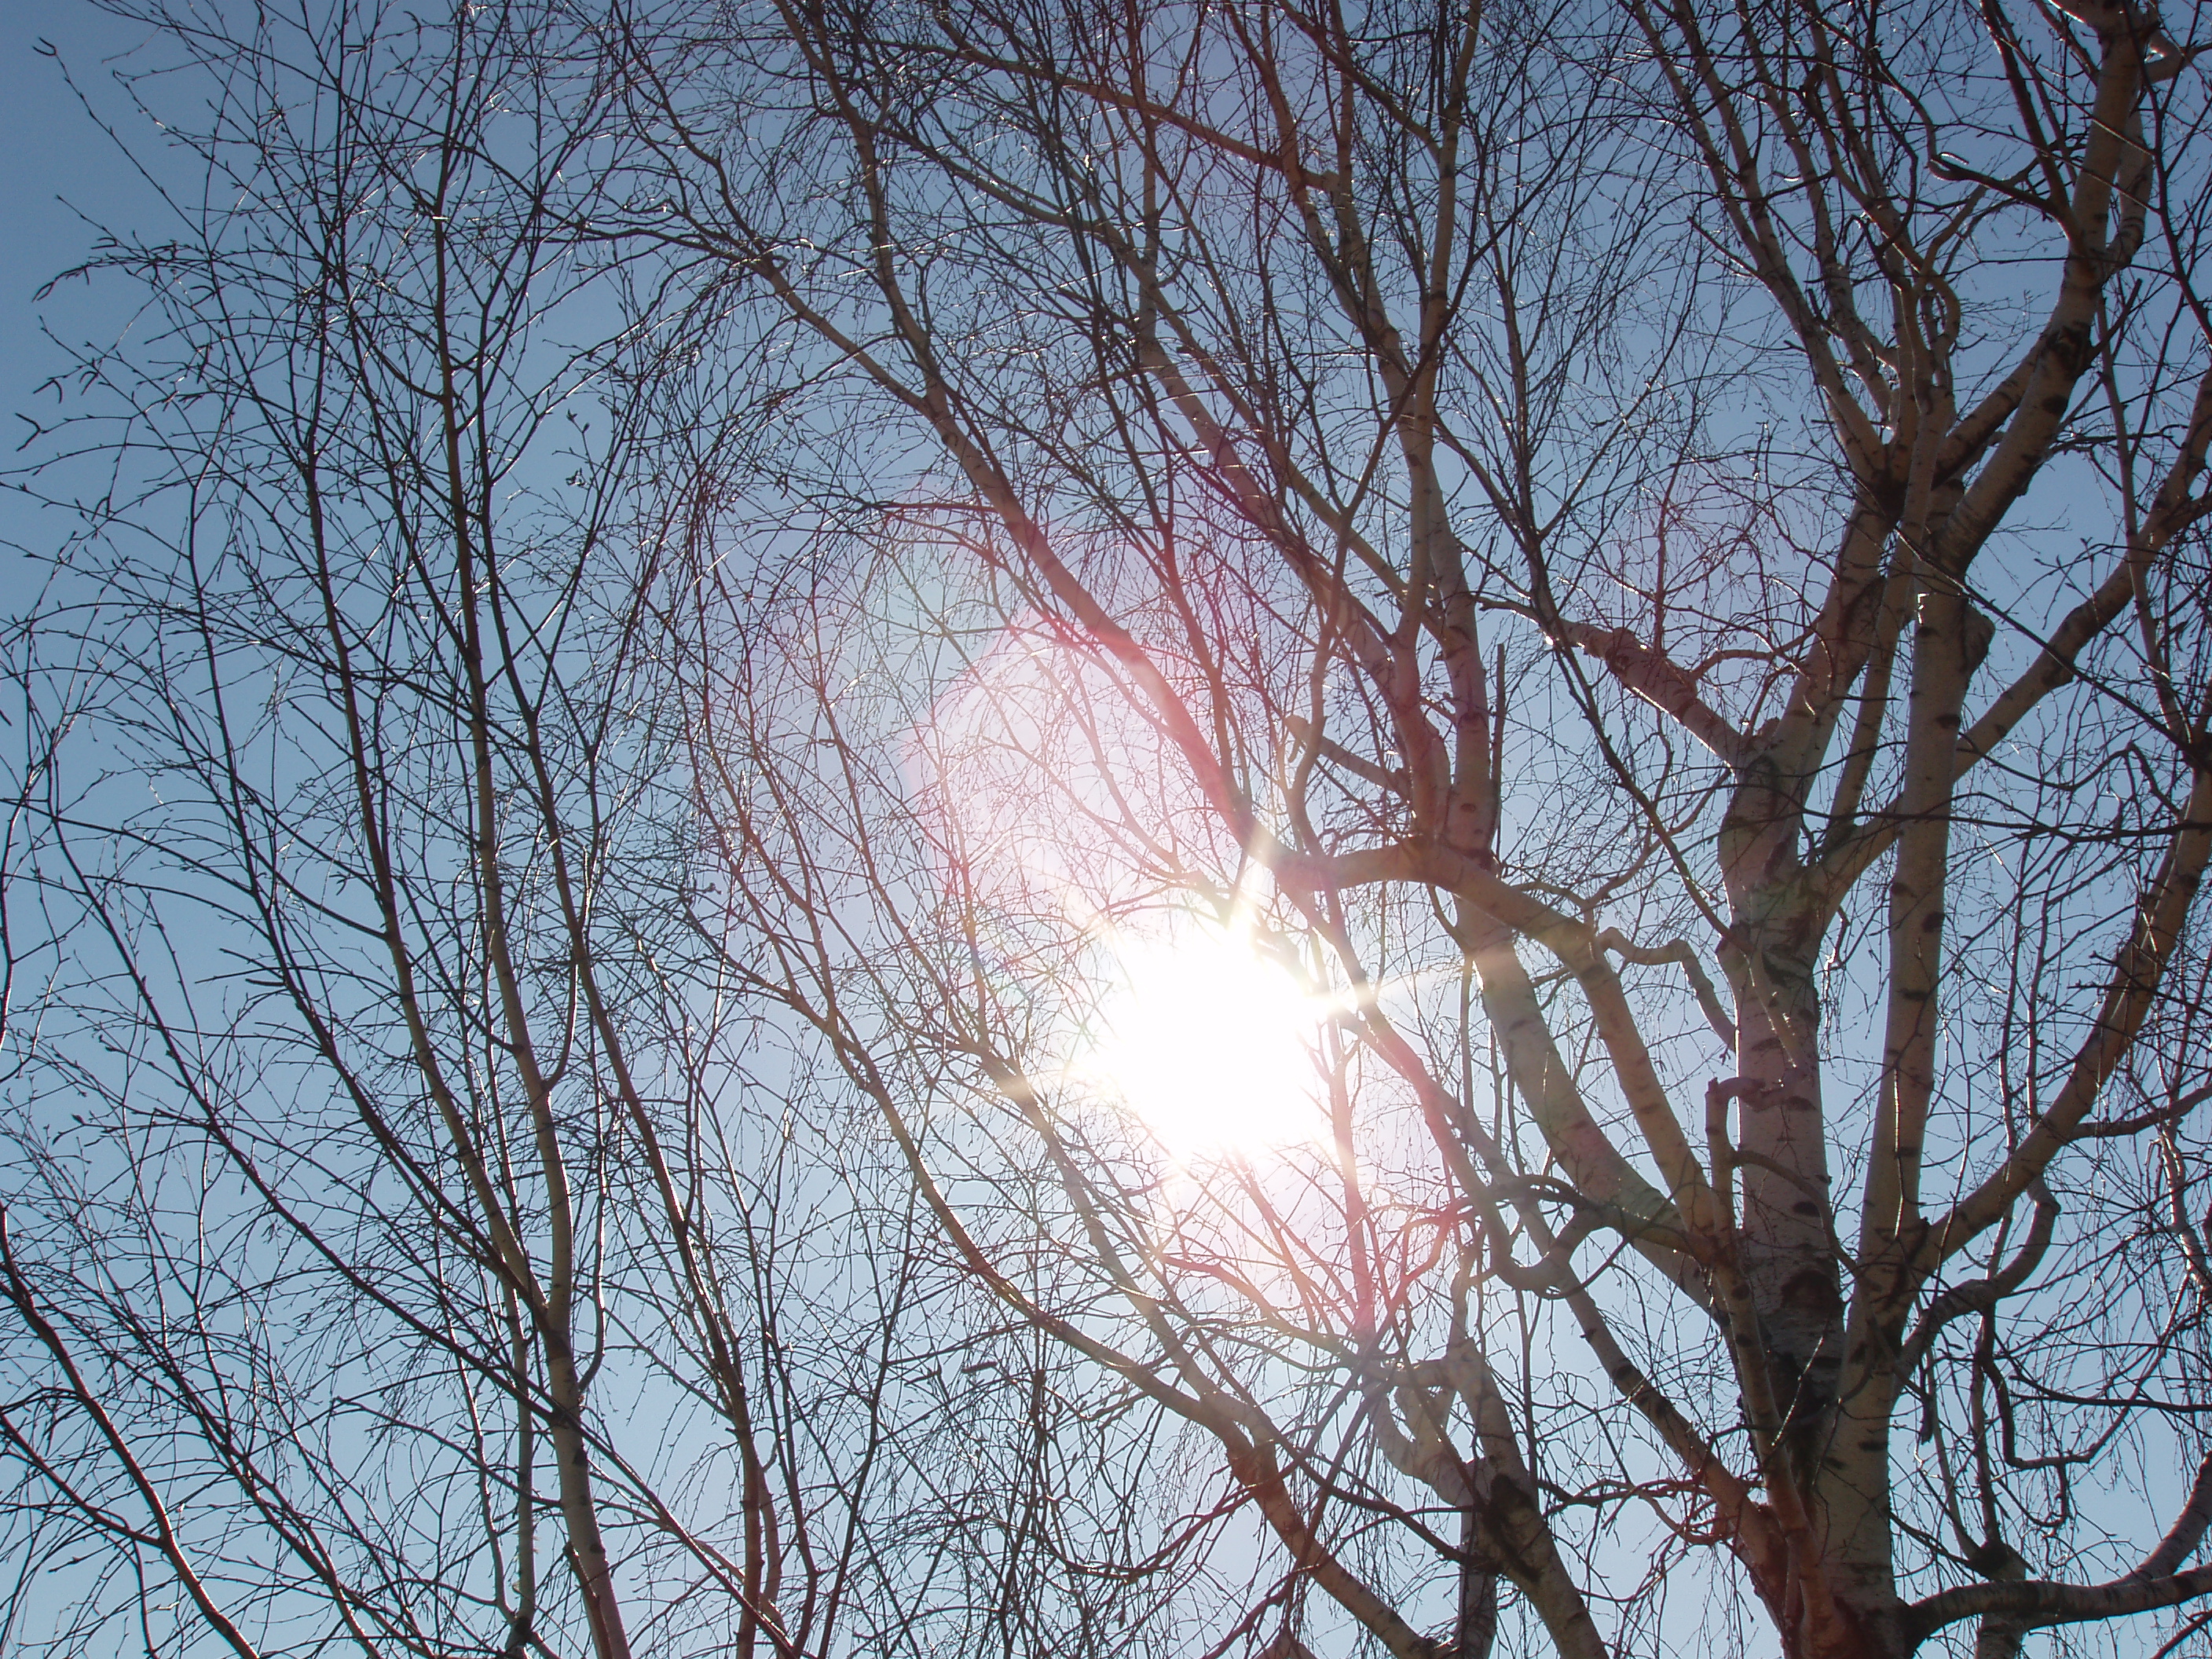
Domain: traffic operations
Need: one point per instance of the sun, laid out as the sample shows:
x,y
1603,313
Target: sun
x,y
1211,1044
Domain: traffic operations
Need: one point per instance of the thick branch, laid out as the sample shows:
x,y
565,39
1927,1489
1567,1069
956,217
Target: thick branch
x,y
1656,679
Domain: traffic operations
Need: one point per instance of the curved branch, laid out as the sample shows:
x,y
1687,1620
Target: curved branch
x,y
1981,1295
2152,1585
2137,975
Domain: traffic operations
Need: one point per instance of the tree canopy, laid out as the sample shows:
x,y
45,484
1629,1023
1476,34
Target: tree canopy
x,y
1027,829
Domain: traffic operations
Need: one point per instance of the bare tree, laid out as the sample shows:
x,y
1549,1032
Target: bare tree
x,y
409,1247
670,588
1655,554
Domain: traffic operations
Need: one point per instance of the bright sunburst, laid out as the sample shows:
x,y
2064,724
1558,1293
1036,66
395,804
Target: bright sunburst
x,y
1210,1044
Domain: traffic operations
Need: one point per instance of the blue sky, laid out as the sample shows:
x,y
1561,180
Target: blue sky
x,y
62,174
